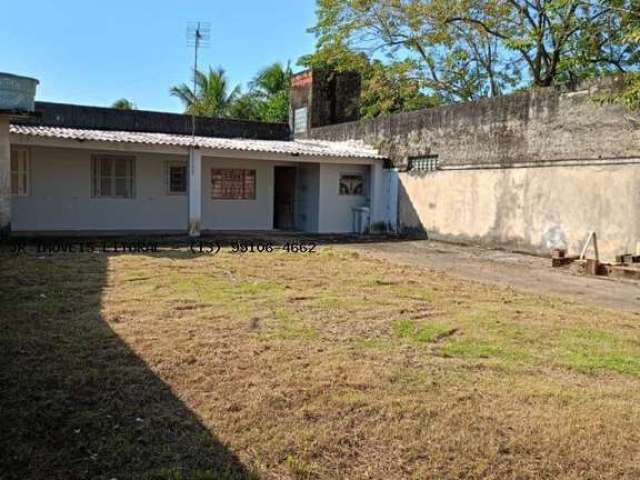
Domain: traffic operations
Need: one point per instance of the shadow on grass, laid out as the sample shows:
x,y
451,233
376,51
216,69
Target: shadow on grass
x,y
76,402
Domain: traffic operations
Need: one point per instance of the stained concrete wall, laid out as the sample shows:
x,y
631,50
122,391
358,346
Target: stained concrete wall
x,y
533,209
5,176
530,170
537,126
331,97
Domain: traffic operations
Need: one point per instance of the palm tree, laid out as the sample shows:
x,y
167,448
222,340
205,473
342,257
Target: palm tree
x,y
272,80
270,87
212,97
123,104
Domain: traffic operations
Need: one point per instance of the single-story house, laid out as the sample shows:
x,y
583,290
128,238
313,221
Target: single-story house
x,y
78,169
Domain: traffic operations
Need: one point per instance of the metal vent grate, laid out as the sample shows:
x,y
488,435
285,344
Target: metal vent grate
x,y
424,164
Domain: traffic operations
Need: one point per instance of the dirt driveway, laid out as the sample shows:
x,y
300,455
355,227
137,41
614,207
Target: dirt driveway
x,y
521,271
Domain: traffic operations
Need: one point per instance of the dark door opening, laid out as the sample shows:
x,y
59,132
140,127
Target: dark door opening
x,y
284,197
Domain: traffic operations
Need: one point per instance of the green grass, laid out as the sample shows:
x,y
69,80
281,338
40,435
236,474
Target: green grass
x,y
331,365
287,326
596,350
425,332
470,348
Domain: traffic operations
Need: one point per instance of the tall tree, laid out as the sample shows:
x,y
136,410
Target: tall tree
x,y
553,38
465,49
213,96
123,104
630,31
456,62
272,79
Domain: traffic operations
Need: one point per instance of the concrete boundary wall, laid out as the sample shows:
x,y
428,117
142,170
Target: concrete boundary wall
x,y
532,170
530,209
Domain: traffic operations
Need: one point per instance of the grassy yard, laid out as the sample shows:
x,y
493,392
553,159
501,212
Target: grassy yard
x,y
324,365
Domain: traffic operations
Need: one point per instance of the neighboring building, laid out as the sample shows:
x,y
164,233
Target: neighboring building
x,y
323,97
78,169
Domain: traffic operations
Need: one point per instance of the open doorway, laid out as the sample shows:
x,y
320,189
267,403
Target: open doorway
x,y
284,198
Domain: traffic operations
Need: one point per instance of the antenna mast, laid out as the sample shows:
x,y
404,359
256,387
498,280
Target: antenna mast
x,y
198,35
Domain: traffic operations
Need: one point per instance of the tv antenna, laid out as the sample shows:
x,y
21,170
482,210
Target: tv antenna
x,y
198,36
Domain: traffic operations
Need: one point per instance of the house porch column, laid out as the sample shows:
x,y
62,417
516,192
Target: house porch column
x,y
377,193
195,192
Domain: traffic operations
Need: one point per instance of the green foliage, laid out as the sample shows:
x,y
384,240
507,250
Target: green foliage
x,y
630,97
421,333
123,104
212,97
270,92
267,99
629,31
386,87
434,51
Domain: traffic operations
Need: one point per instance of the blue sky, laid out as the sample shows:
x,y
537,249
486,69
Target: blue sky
x,y
94,52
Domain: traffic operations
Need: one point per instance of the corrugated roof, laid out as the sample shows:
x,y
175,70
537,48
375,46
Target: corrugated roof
x,y
321,148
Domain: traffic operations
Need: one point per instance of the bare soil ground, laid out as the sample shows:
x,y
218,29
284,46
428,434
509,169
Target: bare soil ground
x,y
305,366
521,271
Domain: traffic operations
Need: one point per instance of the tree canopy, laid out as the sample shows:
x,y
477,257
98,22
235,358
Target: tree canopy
x,y
460,50
213,96
123,104
267,98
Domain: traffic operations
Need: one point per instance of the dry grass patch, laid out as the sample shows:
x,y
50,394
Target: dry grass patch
x,y
305,366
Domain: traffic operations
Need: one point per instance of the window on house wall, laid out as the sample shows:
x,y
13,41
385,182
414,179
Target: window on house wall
x,y
351,184
233,184
20,171
177,177
300,120
113,176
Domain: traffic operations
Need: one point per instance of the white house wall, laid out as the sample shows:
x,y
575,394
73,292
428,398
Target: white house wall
x,y
60,197
335,215
238,214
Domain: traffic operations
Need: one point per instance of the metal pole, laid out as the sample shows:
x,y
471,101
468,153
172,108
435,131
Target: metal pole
x,y
195,83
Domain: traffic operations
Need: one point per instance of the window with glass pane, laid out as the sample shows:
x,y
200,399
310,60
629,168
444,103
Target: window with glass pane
x,y
20,171
113,176
177,181
233,184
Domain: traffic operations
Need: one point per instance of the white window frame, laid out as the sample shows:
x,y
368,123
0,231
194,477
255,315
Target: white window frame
x,y
21,170
177,164
96,176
